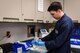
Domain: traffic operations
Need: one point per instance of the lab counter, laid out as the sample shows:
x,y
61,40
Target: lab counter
x,y
22,47
26,46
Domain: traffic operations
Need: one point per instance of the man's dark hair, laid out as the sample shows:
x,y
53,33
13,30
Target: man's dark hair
x,y
55,6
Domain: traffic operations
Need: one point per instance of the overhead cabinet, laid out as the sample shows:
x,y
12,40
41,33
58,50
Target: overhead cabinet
x,y
24,11
42,14
10,10
17,10
28,10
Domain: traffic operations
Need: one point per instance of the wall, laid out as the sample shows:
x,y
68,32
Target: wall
x,y
18,32
71,8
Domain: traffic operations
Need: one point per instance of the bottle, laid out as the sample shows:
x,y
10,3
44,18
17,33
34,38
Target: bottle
x,y
19,50
36,36
1,50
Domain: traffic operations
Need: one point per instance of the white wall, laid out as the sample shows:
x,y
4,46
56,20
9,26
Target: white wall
x,y
18,32
72,8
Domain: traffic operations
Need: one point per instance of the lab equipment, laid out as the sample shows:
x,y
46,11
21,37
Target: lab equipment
x,y
43,33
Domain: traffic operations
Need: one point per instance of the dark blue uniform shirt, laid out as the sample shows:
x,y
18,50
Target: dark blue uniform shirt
x,y
58,41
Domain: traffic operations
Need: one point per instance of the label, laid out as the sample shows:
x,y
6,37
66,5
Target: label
x,y
19,50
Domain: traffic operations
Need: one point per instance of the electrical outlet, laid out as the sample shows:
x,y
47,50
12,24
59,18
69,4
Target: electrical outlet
x,y
8,35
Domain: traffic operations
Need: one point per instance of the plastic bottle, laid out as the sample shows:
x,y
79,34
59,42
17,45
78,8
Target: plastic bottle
x,y
1,50
36,36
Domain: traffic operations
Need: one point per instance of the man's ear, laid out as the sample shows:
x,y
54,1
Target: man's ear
x,y
59,10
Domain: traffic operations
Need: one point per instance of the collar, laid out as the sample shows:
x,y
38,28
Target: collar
x,y
61,18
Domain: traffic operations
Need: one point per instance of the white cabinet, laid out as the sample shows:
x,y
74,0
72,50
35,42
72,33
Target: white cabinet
x,y
10,10
28,10
39,14
23,11
43,16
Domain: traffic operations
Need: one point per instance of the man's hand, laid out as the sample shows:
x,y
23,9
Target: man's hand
x,y
38,42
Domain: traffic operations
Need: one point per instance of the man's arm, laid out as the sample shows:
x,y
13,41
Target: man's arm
x,y
60,39
48,37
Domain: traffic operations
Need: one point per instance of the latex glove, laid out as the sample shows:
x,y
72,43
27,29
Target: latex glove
x,y
34,41
40,43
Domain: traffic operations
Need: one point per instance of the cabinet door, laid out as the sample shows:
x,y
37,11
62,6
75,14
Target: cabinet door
x,y
39,13
28,10
44,16
10,10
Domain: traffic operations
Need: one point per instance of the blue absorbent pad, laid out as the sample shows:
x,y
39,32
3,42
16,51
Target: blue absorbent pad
x,y
17,45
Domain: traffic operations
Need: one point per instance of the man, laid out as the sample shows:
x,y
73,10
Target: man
x,y
58,41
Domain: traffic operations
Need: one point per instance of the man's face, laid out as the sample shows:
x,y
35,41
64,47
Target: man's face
x,y
55,14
